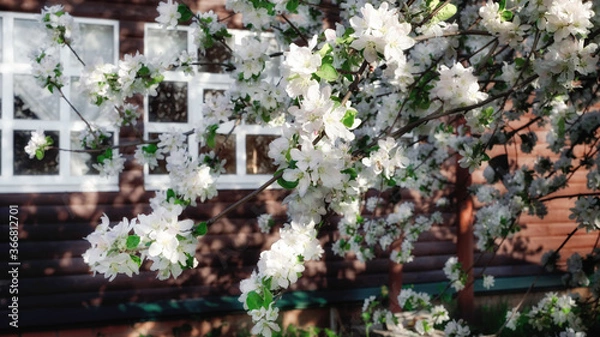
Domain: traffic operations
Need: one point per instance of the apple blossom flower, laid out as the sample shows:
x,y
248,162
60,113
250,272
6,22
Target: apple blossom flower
x,y
37,144
168,14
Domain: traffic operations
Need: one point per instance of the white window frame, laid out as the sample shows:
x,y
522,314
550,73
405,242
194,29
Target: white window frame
x,y
64,181
196,85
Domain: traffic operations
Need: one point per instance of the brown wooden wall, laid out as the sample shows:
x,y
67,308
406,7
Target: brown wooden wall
x,y
53,277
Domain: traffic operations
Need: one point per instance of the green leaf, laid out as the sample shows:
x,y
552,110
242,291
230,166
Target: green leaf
x,y
348,119
189,261
288,185
561,127
201,229
211,137
133,241
327,72
136,259
254,300
502,5
391,182
351,172
186,13
446,12
325,50
432,4
39,154
150,148
519,62
144,70
292,6
171,194
268,298
507,15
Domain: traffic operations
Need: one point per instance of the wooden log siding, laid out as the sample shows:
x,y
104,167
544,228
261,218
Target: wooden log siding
x,y
54,278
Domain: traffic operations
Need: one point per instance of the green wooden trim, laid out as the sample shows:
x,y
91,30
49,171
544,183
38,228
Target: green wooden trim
x,y
218,305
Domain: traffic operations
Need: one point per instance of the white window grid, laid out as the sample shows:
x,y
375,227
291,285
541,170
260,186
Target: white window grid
x,y
197,84
65,124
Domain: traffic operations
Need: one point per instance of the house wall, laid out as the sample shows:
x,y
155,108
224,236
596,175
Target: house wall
x,y
55,286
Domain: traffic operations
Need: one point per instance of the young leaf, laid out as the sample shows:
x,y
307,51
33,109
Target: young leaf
x,y
171,194
288,185
254,300
446,12
136,259
211,137
348,119
268,298
133,241
351,172
501,5
39,154
201,229
327,72
507,15
292,6
150,148
186,13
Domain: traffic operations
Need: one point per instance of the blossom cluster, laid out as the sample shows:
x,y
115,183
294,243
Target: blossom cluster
x,y
47,69
109,85
38,144
278,268
160,237
553,313
59,24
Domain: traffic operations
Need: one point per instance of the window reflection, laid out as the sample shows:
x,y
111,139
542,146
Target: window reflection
x,y
23,165
170,103
257,158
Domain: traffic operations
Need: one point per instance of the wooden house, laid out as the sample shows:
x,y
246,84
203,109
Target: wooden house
x,y
60,200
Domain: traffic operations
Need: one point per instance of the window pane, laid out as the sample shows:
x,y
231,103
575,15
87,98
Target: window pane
x,y
169,104
213,57
81,162
23,165
257,158
27,36
95,42
225,150
162,163
165,44
210,93
273,65
33,102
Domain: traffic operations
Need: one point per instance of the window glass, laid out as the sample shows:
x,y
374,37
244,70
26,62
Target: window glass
x,y
94,45
225,149
33,102
170,103
165,44
213,58
27,36
23,165
257,154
